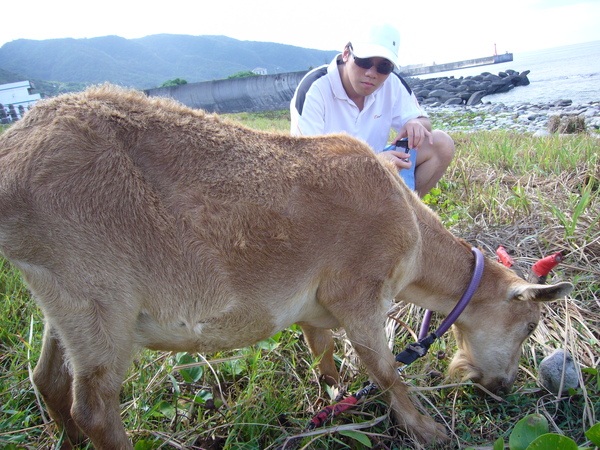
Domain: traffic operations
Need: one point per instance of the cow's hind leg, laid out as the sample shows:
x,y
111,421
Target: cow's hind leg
x,y
96,407
320,342
54,382
97,336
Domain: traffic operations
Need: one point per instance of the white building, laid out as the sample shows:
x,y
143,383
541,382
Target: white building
x,y
16,99
260,71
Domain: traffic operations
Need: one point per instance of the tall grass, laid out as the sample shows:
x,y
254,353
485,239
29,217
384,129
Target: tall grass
x,y
532,195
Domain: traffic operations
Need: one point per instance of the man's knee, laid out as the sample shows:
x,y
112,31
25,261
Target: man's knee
x,y
444,147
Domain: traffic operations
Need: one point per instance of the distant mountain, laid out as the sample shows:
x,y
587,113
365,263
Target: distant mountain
x,y
150,61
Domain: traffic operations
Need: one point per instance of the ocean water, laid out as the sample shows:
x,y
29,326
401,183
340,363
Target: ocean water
x,y
571,72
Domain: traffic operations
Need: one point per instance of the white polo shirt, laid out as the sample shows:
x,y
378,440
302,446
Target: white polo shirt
x,y
321,106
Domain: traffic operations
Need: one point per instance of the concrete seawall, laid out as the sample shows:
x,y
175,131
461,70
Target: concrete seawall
x,y
249,94
273,92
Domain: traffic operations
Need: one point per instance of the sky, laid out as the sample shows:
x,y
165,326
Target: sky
x,y
431,31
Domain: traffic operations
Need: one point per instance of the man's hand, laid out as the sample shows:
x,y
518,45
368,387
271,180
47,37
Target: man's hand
x,y
418,131
398,158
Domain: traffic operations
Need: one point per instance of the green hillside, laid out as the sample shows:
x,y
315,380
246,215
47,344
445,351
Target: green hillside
x,y
149,61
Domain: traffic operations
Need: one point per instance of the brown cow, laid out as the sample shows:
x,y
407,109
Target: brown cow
x,y
139,222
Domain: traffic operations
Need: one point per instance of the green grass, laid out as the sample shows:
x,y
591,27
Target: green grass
x,y
264,121
532,195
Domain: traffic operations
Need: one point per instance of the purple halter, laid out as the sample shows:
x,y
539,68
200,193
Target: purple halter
x,y
420,348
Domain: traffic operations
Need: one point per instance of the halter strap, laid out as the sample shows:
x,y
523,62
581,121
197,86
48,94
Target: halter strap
x,y
418,349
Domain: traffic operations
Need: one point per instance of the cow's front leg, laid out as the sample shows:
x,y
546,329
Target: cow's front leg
x,y
358,304
370,344
360,309
368,339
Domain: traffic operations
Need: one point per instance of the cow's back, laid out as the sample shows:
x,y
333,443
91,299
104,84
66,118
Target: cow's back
x,y
153,194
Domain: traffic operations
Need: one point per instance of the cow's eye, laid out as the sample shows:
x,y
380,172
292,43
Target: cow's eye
x,y
531,326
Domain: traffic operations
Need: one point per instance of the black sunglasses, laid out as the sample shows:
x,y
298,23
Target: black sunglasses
x,y
384,67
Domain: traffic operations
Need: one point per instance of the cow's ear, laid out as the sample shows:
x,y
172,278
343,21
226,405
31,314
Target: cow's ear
x,y
540,292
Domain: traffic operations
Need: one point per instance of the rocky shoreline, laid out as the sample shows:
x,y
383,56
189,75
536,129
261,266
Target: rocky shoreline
x,y
462,104
531,118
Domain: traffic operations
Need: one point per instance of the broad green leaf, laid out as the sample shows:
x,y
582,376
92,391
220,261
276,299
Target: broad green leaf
x,y
202,396
235,367
553,441
360,437
527,430
143,444
190,374
499,444
593,434
166,409
269,344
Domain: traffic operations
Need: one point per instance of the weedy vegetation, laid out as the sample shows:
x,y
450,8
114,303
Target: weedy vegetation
x,y
534,196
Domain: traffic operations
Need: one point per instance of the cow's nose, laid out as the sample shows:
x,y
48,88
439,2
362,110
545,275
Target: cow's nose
x,y
497,385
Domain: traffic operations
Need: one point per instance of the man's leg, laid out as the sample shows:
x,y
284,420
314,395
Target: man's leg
x,y
432,161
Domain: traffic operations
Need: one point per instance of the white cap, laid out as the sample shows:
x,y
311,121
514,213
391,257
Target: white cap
x,y
380,40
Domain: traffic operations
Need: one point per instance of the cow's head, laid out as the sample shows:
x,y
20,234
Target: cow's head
x,y
490,334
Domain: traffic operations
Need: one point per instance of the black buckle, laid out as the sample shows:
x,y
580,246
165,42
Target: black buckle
x,y
416,350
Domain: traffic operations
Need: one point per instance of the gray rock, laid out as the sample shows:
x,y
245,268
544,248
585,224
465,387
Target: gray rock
x,y
521,80
429,101
499,87
556,366
542,133
475,87
445,86
594,123
454,101
563,103
590,113
492,78
440,93
475,99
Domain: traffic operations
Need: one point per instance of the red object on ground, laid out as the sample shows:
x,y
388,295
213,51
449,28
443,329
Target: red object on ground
x,y
543,267
332,411
504,257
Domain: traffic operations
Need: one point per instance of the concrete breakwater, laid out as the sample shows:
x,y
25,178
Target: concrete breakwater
x,y
411,71
274,92
459,103
466,90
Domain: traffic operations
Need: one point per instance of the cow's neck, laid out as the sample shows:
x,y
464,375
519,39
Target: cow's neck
x,y
445,267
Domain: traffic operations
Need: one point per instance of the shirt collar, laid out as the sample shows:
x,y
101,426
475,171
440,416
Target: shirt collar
x,y
336,79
